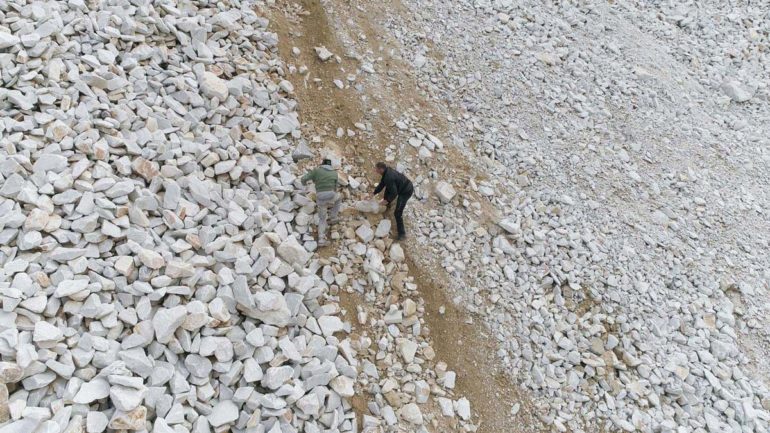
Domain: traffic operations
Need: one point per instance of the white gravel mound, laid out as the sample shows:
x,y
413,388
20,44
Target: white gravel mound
x,y
152,274
624,150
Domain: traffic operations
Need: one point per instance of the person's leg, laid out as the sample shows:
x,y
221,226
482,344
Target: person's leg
x,y
399,213
336,207
322,202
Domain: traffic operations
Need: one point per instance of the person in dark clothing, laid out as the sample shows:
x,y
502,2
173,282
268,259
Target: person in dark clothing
x,y
397,187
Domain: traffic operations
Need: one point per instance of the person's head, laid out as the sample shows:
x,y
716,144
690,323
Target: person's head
x,y
326,161
380,167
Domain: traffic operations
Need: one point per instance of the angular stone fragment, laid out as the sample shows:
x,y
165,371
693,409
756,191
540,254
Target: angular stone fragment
x,y
369,206
96,422
166,321
397,253
365,233
225,412
179,269
330,325
213,86
323,53
96,389
274,377
292,252
8,40
284,124
127,398
302,151
343,386
407,349
46,333
132,420
50,162
151,259
737,91
383,228
271,308
511,225
70,287
10,372
463,408
445,192
411,413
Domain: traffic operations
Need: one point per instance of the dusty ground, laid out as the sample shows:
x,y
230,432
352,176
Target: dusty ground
x,y
458,339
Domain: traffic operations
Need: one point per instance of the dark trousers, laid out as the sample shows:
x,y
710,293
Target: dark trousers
x,y
399,212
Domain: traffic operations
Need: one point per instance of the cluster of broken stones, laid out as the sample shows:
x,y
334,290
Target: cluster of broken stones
x,y
407,386
614,145
156,268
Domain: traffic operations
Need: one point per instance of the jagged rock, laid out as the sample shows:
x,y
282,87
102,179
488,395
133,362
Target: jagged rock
x,y
445,192
294,253
213,86
323,53
411,413
737,91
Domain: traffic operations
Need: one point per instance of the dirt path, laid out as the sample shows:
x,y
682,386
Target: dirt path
x,y
458,340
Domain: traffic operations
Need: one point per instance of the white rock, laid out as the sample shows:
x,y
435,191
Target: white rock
x,y
323,53
737,91
213,86
8,40
330,325
407,349
151,259
292,252
365,233
369,206
463,408
96,422
46,332
166,321
397,253
447,406
271,308
224,412
411,413
445,192
383,228
96,389
343,386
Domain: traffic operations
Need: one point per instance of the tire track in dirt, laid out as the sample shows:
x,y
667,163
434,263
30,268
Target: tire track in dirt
x,y
457,339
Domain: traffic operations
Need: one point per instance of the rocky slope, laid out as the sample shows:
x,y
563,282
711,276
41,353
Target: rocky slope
x,y
590,185
625,279
157,266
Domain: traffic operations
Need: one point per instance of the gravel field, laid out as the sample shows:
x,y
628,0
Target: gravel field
x,y
590,221
627,282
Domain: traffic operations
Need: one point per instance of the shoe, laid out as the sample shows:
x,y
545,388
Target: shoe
x,y
401,237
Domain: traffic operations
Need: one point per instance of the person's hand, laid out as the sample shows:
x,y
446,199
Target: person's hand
x,y
384,202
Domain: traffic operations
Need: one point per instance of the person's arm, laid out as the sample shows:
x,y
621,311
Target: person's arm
x,y
308,177
380,185
390,192
390,189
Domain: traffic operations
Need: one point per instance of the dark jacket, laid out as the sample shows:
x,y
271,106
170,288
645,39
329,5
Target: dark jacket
x,y
395,184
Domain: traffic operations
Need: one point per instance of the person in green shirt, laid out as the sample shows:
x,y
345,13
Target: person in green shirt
x,y
325,179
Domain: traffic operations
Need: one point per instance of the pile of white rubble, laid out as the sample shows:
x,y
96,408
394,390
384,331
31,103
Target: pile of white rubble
x,y
623,148
155,262
409,387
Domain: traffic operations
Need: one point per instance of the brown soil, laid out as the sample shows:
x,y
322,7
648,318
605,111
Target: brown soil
x,y
463,344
